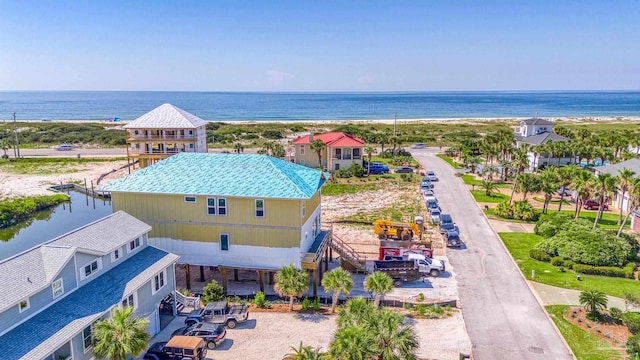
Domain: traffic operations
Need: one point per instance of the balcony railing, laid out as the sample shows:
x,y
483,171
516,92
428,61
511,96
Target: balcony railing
x,y
158,151
161,137
342,157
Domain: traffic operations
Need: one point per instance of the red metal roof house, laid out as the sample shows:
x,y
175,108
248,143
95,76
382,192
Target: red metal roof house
x,y
341,151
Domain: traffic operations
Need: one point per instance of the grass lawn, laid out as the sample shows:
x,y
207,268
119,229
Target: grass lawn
x,y
454,164
469,179
552,202
335,189
481,196
585,345
609,219
519,245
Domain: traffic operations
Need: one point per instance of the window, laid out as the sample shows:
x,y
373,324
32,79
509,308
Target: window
x,y
224,242
336,167
356,153
190,199
211,206
301,149
24,305
159,281
190,132
87,335
259,208
129,301
346,154
338,153
91,268
134,244
116,255
57,288
222,206
191,146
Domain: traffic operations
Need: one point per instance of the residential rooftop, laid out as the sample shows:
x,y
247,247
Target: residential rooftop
x,y
333,139
166,116
37,337
33,269
232,175
541,138
537,121
614,169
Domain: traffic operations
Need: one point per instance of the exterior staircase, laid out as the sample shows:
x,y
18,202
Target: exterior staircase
x,y
348,254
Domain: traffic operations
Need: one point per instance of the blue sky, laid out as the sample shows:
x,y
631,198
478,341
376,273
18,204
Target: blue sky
x,y
320,46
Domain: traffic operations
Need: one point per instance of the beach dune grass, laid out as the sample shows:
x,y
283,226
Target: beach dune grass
x,y
519,245
450,161
585,346
49,165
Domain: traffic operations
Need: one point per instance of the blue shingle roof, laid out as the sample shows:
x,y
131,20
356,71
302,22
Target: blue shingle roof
x,y
235,175
80,307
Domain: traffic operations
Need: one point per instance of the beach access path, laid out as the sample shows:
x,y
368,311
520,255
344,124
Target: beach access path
x,y
503,318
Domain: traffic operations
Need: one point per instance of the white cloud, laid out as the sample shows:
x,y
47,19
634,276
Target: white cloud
x,y
277,77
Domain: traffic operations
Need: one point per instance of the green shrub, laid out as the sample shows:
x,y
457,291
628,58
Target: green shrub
x,y
212,292
632,321
185,292
316,304
539,255
306,304
633,347
260,301
272,134
420,309
616,314
406,177
343,173
594,316
524,211
550,223
504,210
557,261
420,297
20,209
601,270
357,170
569,264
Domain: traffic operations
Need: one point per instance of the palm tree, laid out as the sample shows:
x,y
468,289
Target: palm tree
x,y
625,179
583,185
633,204
238,148
519,163
489,187
120,336
395,141
354,311
4,145
548,185
528,183
565,176
489,170
593,300
379,284
304,353
291,282
393,338
383,139
604,185
352,343
318,146
337,281
369,150
473,162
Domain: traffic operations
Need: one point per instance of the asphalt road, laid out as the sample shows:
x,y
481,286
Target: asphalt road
x,y
503,318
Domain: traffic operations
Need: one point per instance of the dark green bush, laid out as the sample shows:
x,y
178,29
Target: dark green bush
x,y
343,173
272,134
212,292
601,270
616,314
260,301
504,210
15,210
632,321
539,255
357,170
306,304
557,261
569,264
633,347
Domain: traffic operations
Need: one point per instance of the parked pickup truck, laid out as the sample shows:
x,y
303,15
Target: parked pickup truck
x,y
219,312
423,265
178,348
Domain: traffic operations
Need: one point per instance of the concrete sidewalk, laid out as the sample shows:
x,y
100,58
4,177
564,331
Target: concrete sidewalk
x,y
551,295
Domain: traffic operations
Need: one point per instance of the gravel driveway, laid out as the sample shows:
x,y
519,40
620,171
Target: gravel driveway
x,y
270,335
503,318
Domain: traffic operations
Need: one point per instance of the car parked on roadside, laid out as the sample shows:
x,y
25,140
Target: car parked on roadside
x,y
178,348
212,334
418,146
434,215
432,204
427,192
404,170
446,223
564,191
594,205
452,238
377,168
432,176
426,183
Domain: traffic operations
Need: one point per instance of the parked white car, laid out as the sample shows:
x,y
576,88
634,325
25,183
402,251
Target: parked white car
x,y
64,147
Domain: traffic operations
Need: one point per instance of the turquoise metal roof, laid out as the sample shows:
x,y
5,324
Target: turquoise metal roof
x,y
234,175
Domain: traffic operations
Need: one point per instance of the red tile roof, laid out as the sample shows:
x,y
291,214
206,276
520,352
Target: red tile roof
x,y
332,139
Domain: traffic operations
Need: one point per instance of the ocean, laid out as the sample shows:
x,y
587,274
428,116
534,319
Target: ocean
x,y
253,106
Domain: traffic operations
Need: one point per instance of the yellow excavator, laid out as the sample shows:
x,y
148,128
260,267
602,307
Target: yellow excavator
x,y
386,229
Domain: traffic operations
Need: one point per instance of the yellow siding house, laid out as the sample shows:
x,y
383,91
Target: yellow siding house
x,y
232,210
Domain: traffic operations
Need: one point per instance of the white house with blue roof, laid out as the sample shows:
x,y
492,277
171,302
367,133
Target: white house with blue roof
x,y
240,211
55,292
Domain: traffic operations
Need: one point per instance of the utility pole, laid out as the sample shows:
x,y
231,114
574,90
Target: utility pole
x,y
15,130
395,118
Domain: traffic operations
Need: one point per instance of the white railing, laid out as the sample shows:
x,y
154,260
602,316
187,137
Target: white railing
x,y
187,301
157,137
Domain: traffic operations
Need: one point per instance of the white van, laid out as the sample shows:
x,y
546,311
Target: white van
x,y
64,147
